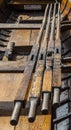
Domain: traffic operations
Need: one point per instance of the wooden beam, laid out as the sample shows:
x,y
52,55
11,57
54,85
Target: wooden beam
x,y
12,66
22,2
19,26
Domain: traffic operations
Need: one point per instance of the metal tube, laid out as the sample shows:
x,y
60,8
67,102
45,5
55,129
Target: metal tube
x,y
32,111
15,114
56,97
45,103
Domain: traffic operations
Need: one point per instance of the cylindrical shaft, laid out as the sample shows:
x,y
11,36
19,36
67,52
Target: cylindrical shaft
x,y
45,103
15,114
32,111
56,97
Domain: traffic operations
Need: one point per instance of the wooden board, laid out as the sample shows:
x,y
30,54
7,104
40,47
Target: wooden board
x,y
57,77
9,84
22,2
47,82
24,124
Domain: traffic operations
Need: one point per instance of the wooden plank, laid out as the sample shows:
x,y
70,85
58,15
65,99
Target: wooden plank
x,y
37,80
12,66
56,83
42,122
31,62
37,124
22,2
20,37
4,123
39,70
57,77
33,36
19,26
22,91
47,82
66,68
9,85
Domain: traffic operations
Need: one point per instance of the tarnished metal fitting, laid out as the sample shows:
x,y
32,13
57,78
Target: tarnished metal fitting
x,y
56,97
16,113
45,103
32,111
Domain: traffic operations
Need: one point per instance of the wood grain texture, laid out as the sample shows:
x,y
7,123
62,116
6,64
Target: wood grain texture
x,y
9,84
12,66
57,77
17,2
24,124
4,123
37,80
47,81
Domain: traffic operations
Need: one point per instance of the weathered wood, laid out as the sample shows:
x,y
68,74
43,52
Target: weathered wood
x,y
22,91
66,68
47,78
38,75
9,85
66,27
38,124
9,79
62,118
18,67
57,78
49,57
47,82
32,58
57,63
8,90
17,2
66,60
9,52
10,47
19,26
12,66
